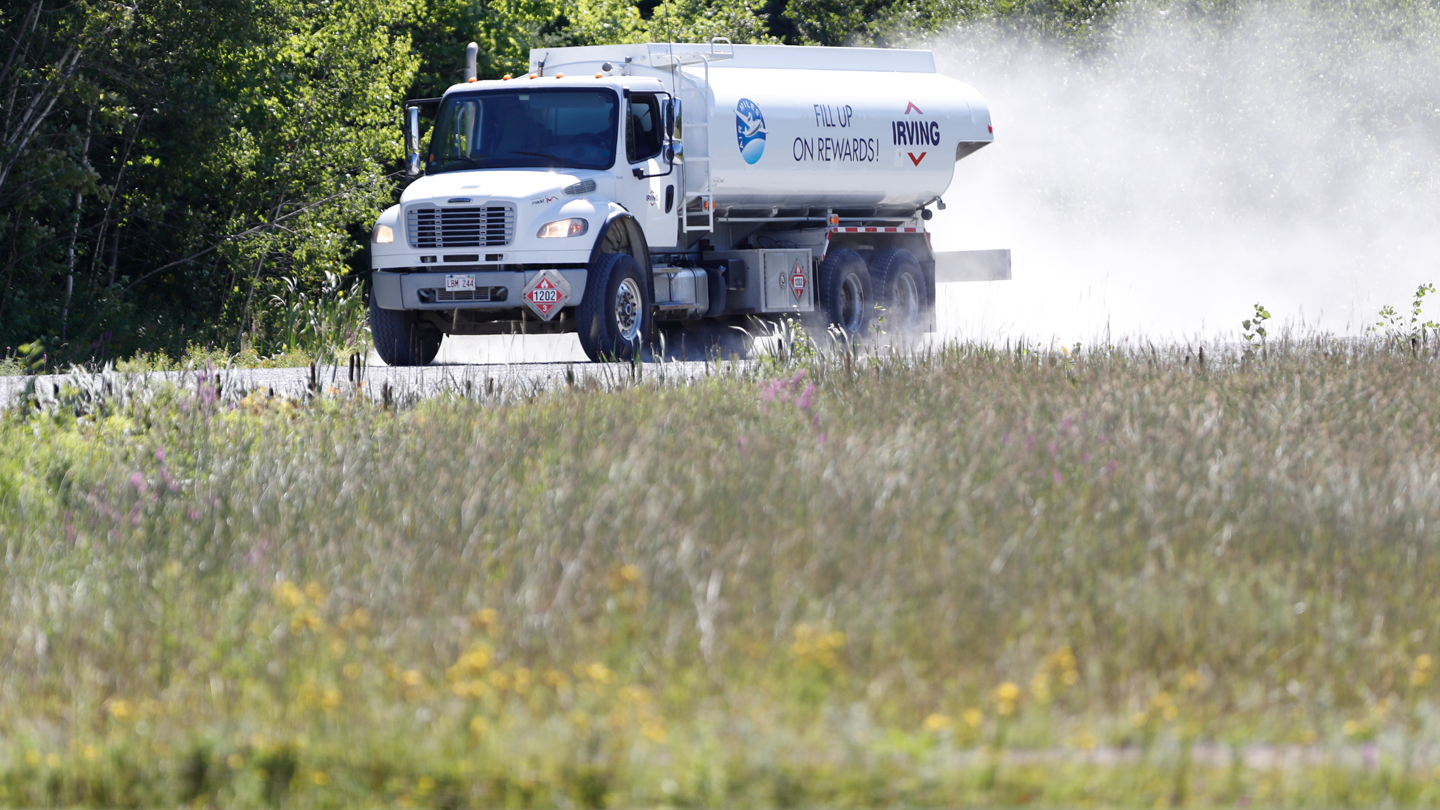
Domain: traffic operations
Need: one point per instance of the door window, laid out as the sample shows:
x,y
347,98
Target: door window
x,y
642,133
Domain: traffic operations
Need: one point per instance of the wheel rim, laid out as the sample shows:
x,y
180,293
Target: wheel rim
x,y
852,304
906,301
627,309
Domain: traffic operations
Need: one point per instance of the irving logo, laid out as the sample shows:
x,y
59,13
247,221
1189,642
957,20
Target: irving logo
x,y
912,132
915,133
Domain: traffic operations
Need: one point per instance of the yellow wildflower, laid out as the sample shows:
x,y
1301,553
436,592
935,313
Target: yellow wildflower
x,y
472,663
315,592
654,731
520,680
288,595
1040,687
485,618
359,619
1006,696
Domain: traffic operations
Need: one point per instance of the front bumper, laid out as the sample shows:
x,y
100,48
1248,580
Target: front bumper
x,y
494,289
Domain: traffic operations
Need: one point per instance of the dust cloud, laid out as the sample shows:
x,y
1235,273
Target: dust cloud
x,y
1185,168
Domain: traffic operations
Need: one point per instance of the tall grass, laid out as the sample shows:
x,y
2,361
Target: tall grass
x,y
984,574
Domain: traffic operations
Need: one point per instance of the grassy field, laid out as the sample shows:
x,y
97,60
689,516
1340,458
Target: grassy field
x,y
980,576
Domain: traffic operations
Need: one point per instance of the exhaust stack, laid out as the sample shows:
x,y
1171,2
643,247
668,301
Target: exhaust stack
x,y
472,52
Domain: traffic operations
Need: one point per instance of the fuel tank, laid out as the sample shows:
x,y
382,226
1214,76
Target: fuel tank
x,y
775,127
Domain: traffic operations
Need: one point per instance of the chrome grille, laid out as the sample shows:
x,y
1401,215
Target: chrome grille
x,y
487,226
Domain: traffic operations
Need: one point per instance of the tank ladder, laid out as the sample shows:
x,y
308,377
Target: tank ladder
x,y
697,214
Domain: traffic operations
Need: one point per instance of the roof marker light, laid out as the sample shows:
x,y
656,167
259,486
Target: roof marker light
x,y
505,78
599,75
532,75
559,75
992,128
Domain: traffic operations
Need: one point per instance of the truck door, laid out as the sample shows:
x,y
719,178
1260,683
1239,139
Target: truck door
x,y
654,197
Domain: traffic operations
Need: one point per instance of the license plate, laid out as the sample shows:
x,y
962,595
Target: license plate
x,y
459,284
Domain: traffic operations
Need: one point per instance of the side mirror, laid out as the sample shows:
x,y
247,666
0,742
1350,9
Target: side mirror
x,y
672,117
412,141
674,151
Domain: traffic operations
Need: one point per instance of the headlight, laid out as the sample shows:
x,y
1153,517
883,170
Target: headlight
x,y
384,234
563,227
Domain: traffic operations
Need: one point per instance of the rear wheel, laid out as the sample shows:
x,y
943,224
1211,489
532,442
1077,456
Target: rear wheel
x,y
845,292
614,317
400,338
900,291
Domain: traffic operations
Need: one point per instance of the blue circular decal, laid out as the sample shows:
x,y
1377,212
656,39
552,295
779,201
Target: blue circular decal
x,y
750,130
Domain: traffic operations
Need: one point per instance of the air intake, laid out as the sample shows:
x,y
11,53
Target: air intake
x,y
583,187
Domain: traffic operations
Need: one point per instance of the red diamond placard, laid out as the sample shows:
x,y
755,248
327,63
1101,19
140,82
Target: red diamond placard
x,y
797,281
546,293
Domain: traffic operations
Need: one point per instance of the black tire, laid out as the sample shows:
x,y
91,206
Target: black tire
x,y
900,291
400,338
614,317
845,293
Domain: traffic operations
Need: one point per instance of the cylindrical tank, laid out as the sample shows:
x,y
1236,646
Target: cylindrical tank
x,y
831,128
784,127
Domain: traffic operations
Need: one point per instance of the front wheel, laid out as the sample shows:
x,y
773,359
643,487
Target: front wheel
x,y
400,338
614,317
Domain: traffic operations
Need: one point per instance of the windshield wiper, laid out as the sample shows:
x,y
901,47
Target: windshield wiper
x,y
470,163
541,154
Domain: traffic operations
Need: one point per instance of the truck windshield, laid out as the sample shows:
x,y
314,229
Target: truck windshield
x,y
526,129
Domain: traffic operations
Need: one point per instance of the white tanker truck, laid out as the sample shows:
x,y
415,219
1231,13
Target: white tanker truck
x,y
579,197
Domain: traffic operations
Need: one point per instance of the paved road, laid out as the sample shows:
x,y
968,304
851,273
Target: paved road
x,y
471,365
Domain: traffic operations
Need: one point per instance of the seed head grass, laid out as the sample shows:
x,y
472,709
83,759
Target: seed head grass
x,y
980,574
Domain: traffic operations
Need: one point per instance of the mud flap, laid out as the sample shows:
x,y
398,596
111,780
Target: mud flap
x,y
972,265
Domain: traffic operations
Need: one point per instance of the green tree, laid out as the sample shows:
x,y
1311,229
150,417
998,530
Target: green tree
x,y
742,21
164,163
